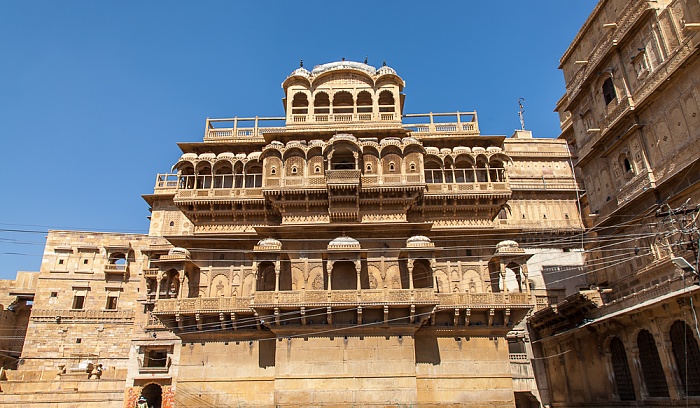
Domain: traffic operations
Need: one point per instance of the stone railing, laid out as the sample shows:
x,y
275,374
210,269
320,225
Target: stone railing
x,y
116,269
213,194
358,297
324,118
643,295
461,127
484,299
150,272
468,188
636,185
519,358
376,180
343,176
201,304
73,315
544,184
154,369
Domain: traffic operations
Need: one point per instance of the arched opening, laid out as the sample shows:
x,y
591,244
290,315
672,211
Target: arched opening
x,y
322,103
364,102
153,394
422,274
386,101
497,171
238,175
687,355
186,173
464,172
343,276
266,277
609,91
223,176
343,160
513,278
253,176
433,172
481,171
300,104
118,259
621,369
652,370
170,284
204,176
342,102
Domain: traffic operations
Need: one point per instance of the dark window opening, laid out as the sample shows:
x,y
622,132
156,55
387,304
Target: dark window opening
x,y
78,302
687,355
628,165
111,303
652,370
621,369
54,294
609,91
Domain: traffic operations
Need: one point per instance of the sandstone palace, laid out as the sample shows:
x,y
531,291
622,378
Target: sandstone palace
x,y
348,253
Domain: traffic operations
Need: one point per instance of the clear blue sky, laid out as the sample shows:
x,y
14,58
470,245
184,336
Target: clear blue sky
x,y
94,95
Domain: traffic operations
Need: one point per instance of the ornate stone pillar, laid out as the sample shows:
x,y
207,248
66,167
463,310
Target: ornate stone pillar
x,y
503,277
277,276
255,279
158,279
523,269
358,268
329,268
409,266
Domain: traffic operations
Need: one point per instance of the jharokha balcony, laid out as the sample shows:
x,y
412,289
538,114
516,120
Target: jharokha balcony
x,y
357,308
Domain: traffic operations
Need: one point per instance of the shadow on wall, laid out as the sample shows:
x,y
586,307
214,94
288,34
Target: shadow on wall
x,y
266,353
427,350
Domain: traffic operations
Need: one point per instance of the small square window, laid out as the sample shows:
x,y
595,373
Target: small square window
x,y
54,294
78,341
60,261
85,261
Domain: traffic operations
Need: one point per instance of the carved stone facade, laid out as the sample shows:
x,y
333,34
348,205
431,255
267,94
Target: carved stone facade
x,y
344,254
631,114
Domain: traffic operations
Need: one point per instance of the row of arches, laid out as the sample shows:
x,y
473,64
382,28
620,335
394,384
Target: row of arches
x,y
465,169
221,174
344,275
653,380
340,102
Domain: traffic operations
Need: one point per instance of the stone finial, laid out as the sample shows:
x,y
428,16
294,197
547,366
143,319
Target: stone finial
x,y
384,63
365,59
301,63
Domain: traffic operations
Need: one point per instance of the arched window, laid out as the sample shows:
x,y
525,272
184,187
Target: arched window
x,y
621,369
652,371
364,102
223,176
464,172
322,103
294,169
266,277
342,102
343,276
687,355
433,172
609,91
253,177
317,169
368,168
497,171
343,160
422,274
386,101
412,166
300,104
392,166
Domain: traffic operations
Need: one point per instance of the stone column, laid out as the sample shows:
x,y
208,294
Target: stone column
x,y
329,268
503,277
255,278
158,279
523,269
277,276
409,265
358,268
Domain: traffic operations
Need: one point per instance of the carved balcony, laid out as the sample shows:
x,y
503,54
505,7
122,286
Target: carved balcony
x,y
343,177
201,305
